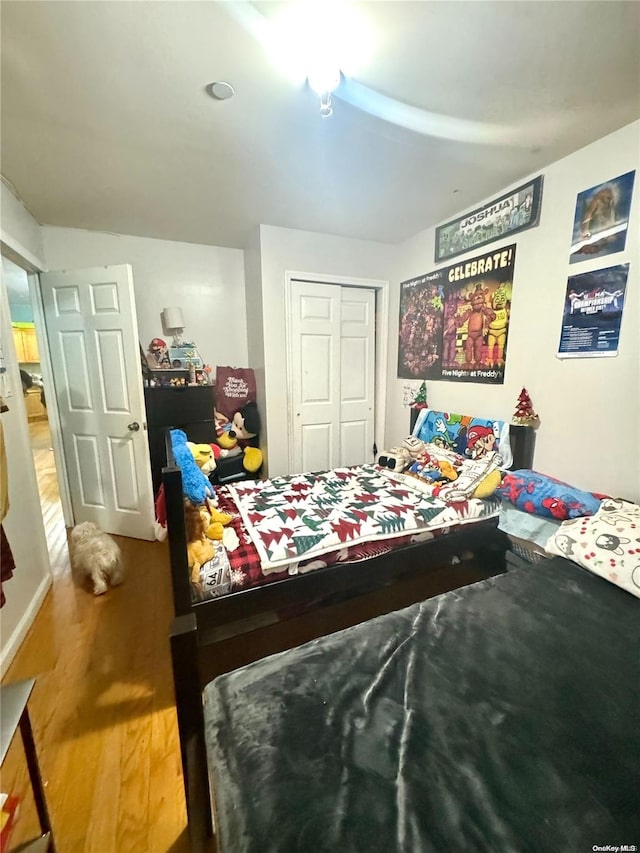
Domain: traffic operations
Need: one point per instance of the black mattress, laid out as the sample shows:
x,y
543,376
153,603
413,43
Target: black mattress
x,y
503,716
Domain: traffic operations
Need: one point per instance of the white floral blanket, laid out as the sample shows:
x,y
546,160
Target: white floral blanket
x,y
305,515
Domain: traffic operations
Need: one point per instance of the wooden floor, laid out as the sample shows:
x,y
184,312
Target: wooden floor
x,y
102,709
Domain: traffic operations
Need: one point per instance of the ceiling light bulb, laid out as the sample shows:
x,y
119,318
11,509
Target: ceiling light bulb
x,y
323,79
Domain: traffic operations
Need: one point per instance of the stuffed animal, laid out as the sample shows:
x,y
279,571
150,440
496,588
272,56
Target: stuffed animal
x,y
199,549
158,355
244,426
399,458
245,423
195,484
396,459
204,456
214,521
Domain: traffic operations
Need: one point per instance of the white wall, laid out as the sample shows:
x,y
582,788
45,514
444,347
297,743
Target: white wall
x,y
207,282
589,408
19,231
282,250
255,332
23,524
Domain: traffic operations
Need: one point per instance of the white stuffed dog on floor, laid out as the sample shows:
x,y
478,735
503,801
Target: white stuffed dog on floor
x,y
97,556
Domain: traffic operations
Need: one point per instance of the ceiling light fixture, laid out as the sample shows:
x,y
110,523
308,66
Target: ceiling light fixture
x,y
320,41
290,54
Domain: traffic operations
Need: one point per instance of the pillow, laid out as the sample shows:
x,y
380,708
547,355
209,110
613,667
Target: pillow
x,y
607,544
468,436
541,495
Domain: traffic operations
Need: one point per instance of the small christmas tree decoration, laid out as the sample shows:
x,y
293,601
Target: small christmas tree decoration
x,y
420,400
524,414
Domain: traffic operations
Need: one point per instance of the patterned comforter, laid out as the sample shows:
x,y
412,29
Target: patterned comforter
x,y
304,516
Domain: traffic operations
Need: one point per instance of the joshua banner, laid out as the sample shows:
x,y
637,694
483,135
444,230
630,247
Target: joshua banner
x,y
509,214
454,322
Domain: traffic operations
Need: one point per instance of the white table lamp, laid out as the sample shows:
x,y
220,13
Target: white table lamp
x,y
174,323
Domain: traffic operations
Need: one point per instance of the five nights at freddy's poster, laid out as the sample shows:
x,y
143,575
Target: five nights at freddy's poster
x,y
454,322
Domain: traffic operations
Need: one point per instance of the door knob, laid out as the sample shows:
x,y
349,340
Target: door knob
x,y
134,426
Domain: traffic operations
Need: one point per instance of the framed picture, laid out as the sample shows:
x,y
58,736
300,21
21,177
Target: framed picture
x,y
513,212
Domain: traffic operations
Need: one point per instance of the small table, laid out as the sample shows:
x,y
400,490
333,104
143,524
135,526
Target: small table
x,y
13,714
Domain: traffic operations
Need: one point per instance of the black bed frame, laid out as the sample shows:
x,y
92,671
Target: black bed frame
x,y
201,645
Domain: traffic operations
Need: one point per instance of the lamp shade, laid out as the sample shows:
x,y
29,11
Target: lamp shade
x,y
173,318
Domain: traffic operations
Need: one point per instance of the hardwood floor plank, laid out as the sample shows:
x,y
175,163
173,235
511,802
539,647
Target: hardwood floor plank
x,y
103,709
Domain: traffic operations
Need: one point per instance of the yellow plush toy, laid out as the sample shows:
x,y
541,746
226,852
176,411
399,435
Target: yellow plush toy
x,y
488,486
203,454
199,548
214,521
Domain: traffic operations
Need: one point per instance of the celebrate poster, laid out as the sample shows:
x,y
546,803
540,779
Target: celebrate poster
x,y
593,308
454,322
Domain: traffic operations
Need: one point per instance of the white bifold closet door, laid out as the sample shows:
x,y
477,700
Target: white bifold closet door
x,y
333,375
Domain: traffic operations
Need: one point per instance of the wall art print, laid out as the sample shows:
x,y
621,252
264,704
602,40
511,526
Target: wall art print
x,y
454,322
509,214
593,307
601,219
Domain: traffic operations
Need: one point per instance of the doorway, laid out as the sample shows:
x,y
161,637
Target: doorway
x,y
37,396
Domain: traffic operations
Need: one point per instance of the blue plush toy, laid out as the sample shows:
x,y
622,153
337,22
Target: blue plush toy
x,y
195,485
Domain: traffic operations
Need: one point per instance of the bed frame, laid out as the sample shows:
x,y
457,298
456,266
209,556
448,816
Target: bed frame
x,y
218,635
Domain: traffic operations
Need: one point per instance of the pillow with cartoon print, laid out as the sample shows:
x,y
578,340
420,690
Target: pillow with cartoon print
x,y
607,543
542,495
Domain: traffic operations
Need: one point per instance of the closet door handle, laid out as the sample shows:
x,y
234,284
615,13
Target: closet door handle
x,y
134,426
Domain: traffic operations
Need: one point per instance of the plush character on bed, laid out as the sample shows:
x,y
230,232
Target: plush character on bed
x,y
214,521
204,457
399,458
200,549
195,484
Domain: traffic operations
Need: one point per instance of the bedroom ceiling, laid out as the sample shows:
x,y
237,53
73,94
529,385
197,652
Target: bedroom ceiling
x,y
106,123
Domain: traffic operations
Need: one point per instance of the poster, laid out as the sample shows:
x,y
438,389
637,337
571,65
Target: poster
x,y
593,308
454,322
513,212
601,219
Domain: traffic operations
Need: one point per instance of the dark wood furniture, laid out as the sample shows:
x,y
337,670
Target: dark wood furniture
x,y
215,636
14,714
179,407
190,408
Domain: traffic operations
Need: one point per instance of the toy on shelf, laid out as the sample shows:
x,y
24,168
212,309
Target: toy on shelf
x,y
524,414
158,355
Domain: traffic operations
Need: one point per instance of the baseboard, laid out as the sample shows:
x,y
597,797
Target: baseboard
x,y
15,640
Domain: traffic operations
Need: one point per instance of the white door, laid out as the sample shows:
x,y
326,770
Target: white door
x,y
357,379
93,339
332,369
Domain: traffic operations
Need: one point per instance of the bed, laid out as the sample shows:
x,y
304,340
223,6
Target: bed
x,y
501,716
213,636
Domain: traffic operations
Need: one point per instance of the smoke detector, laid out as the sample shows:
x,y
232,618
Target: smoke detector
x,y
221,91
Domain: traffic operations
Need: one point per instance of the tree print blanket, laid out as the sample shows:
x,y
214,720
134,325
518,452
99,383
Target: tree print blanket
x,y
305,515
